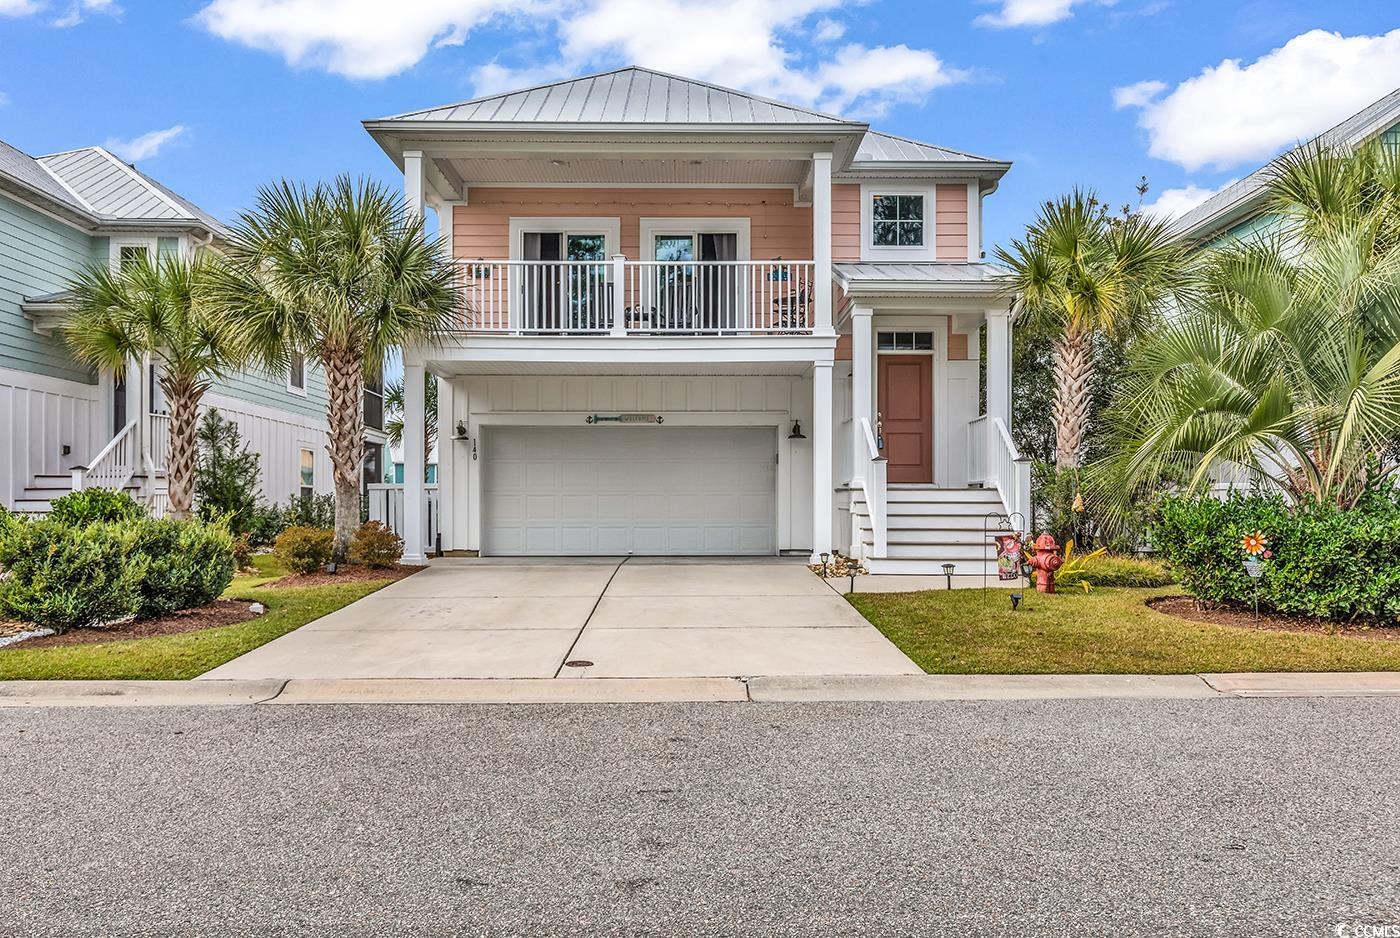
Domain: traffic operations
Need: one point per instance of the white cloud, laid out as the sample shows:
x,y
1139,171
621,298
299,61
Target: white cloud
x,y
1232,113
828,30
1173,203
1137,95
1015,13
145,146
757,45
78,10
70,13
4,99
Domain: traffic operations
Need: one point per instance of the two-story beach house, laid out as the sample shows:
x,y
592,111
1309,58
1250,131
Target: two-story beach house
x,y
702,322
61,425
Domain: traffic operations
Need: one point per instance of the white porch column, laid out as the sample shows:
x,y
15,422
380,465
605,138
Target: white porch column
x,y
999,365
821,238
413,188
821,460
861,387
446,463
415,499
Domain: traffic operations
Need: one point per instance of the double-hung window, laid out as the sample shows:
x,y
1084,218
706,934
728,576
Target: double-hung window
x,y
296,373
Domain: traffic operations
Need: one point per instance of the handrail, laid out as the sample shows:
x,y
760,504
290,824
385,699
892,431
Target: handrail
x,y
876,487
1011,473
113,466
620,297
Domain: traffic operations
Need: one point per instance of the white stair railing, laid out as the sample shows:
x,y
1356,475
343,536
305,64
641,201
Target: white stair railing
x,y
159,442
113,467
875,486
1006,470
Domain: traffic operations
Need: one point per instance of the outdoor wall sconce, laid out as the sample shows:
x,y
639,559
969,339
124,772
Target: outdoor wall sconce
x,y
796,433
948,572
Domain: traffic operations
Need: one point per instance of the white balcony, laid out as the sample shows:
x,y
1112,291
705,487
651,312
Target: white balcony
x,y
621,297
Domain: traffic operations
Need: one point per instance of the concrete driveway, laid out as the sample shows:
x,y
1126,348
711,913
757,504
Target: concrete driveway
x,y
606,617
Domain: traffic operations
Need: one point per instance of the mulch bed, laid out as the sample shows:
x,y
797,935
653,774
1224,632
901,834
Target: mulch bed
x,y
219,613
1187,607
346,574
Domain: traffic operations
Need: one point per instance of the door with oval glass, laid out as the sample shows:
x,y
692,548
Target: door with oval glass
x,y
905,379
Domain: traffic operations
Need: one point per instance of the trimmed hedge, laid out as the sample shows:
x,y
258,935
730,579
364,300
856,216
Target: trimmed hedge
x,y
62,575
375,545
91,506
1326,562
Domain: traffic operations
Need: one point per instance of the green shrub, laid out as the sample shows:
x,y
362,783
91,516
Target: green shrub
x,y
92,506
182,564
243,551
1325,561
1111,570
374,545
312,511
63,576
226,477
304,549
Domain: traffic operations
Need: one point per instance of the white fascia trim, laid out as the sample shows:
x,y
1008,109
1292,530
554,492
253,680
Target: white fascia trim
x,y
739,225
611,227
928,251
47,384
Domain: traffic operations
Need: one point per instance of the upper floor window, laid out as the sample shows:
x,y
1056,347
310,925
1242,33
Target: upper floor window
x,y
296,373
129,255
898,220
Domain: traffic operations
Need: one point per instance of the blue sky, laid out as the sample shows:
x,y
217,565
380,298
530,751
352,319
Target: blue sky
x,y
216,97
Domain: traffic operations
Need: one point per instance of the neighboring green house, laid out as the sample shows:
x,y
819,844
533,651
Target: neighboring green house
x,y
1240,209
58,215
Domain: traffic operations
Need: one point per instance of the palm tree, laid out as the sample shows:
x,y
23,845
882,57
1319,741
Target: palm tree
x,y
393,404
341,273
156,308
1083,274
1287,370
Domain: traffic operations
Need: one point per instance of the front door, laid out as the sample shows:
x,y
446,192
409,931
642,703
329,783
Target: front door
x,y
906,416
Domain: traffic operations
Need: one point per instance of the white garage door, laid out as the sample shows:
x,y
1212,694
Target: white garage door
x,y
618,490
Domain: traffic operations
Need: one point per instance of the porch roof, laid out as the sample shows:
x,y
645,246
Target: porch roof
x,y
926,279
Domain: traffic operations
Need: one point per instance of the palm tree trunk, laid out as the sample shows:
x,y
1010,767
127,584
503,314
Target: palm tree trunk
x,y
345,417
183,396
1074,363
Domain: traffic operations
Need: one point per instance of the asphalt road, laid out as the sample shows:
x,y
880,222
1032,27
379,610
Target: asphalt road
x,y
1212,817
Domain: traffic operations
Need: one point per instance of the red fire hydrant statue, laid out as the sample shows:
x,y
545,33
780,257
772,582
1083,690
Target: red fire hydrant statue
x,y
1046,561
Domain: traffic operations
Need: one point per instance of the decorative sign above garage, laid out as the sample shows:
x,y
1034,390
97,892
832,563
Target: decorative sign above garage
x,y
624,418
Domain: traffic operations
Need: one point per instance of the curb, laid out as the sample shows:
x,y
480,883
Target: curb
x,y
832,688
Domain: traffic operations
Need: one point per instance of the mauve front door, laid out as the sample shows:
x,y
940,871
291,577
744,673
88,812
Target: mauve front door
x,y
906,415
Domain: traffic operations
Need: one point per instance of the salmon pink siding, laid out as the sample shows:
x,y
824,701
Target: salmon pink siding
x,y
845,223
950,224
777,227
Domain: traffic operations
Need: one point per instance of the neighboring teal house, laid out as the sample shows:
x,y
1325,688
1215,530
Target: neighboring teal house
x,y
1240,209
58,215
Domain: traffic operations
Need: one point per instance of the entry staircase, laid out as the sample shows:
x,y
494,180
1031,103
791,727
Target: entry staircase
x,y
928,526
916,529
122,465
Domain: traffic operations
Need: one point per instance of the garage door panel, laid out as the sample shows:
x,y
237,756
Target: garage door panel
x,y
679,490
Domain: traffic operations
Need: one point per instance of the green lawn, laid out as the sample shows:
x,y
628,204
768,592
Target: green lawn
x,y
1108,631
179,657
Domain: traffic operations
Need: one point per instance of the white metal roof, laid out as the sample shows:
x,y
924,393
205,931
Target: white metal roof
x,y
876,147
1241,199
629,95
93,185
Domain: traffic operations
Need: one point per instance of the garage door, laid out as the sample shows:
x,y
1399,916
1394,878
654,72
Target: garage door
x,y
619,490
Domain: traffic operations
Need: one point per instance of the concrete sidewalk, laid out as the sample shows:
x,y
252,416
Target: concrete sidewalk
x,y
718,690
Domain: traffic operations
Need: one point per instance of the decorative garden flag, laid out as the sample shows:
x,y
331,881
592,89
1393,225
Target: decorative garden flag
x,y
1008,556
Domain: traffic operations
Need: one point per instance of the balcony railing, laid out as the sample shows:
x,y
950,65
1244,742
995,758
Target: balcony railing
x,y
654,298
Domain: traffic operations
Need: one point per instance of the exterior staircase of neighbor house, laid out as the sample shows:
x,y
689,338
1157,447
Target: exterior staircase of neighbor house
x,y
929,526
43,489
